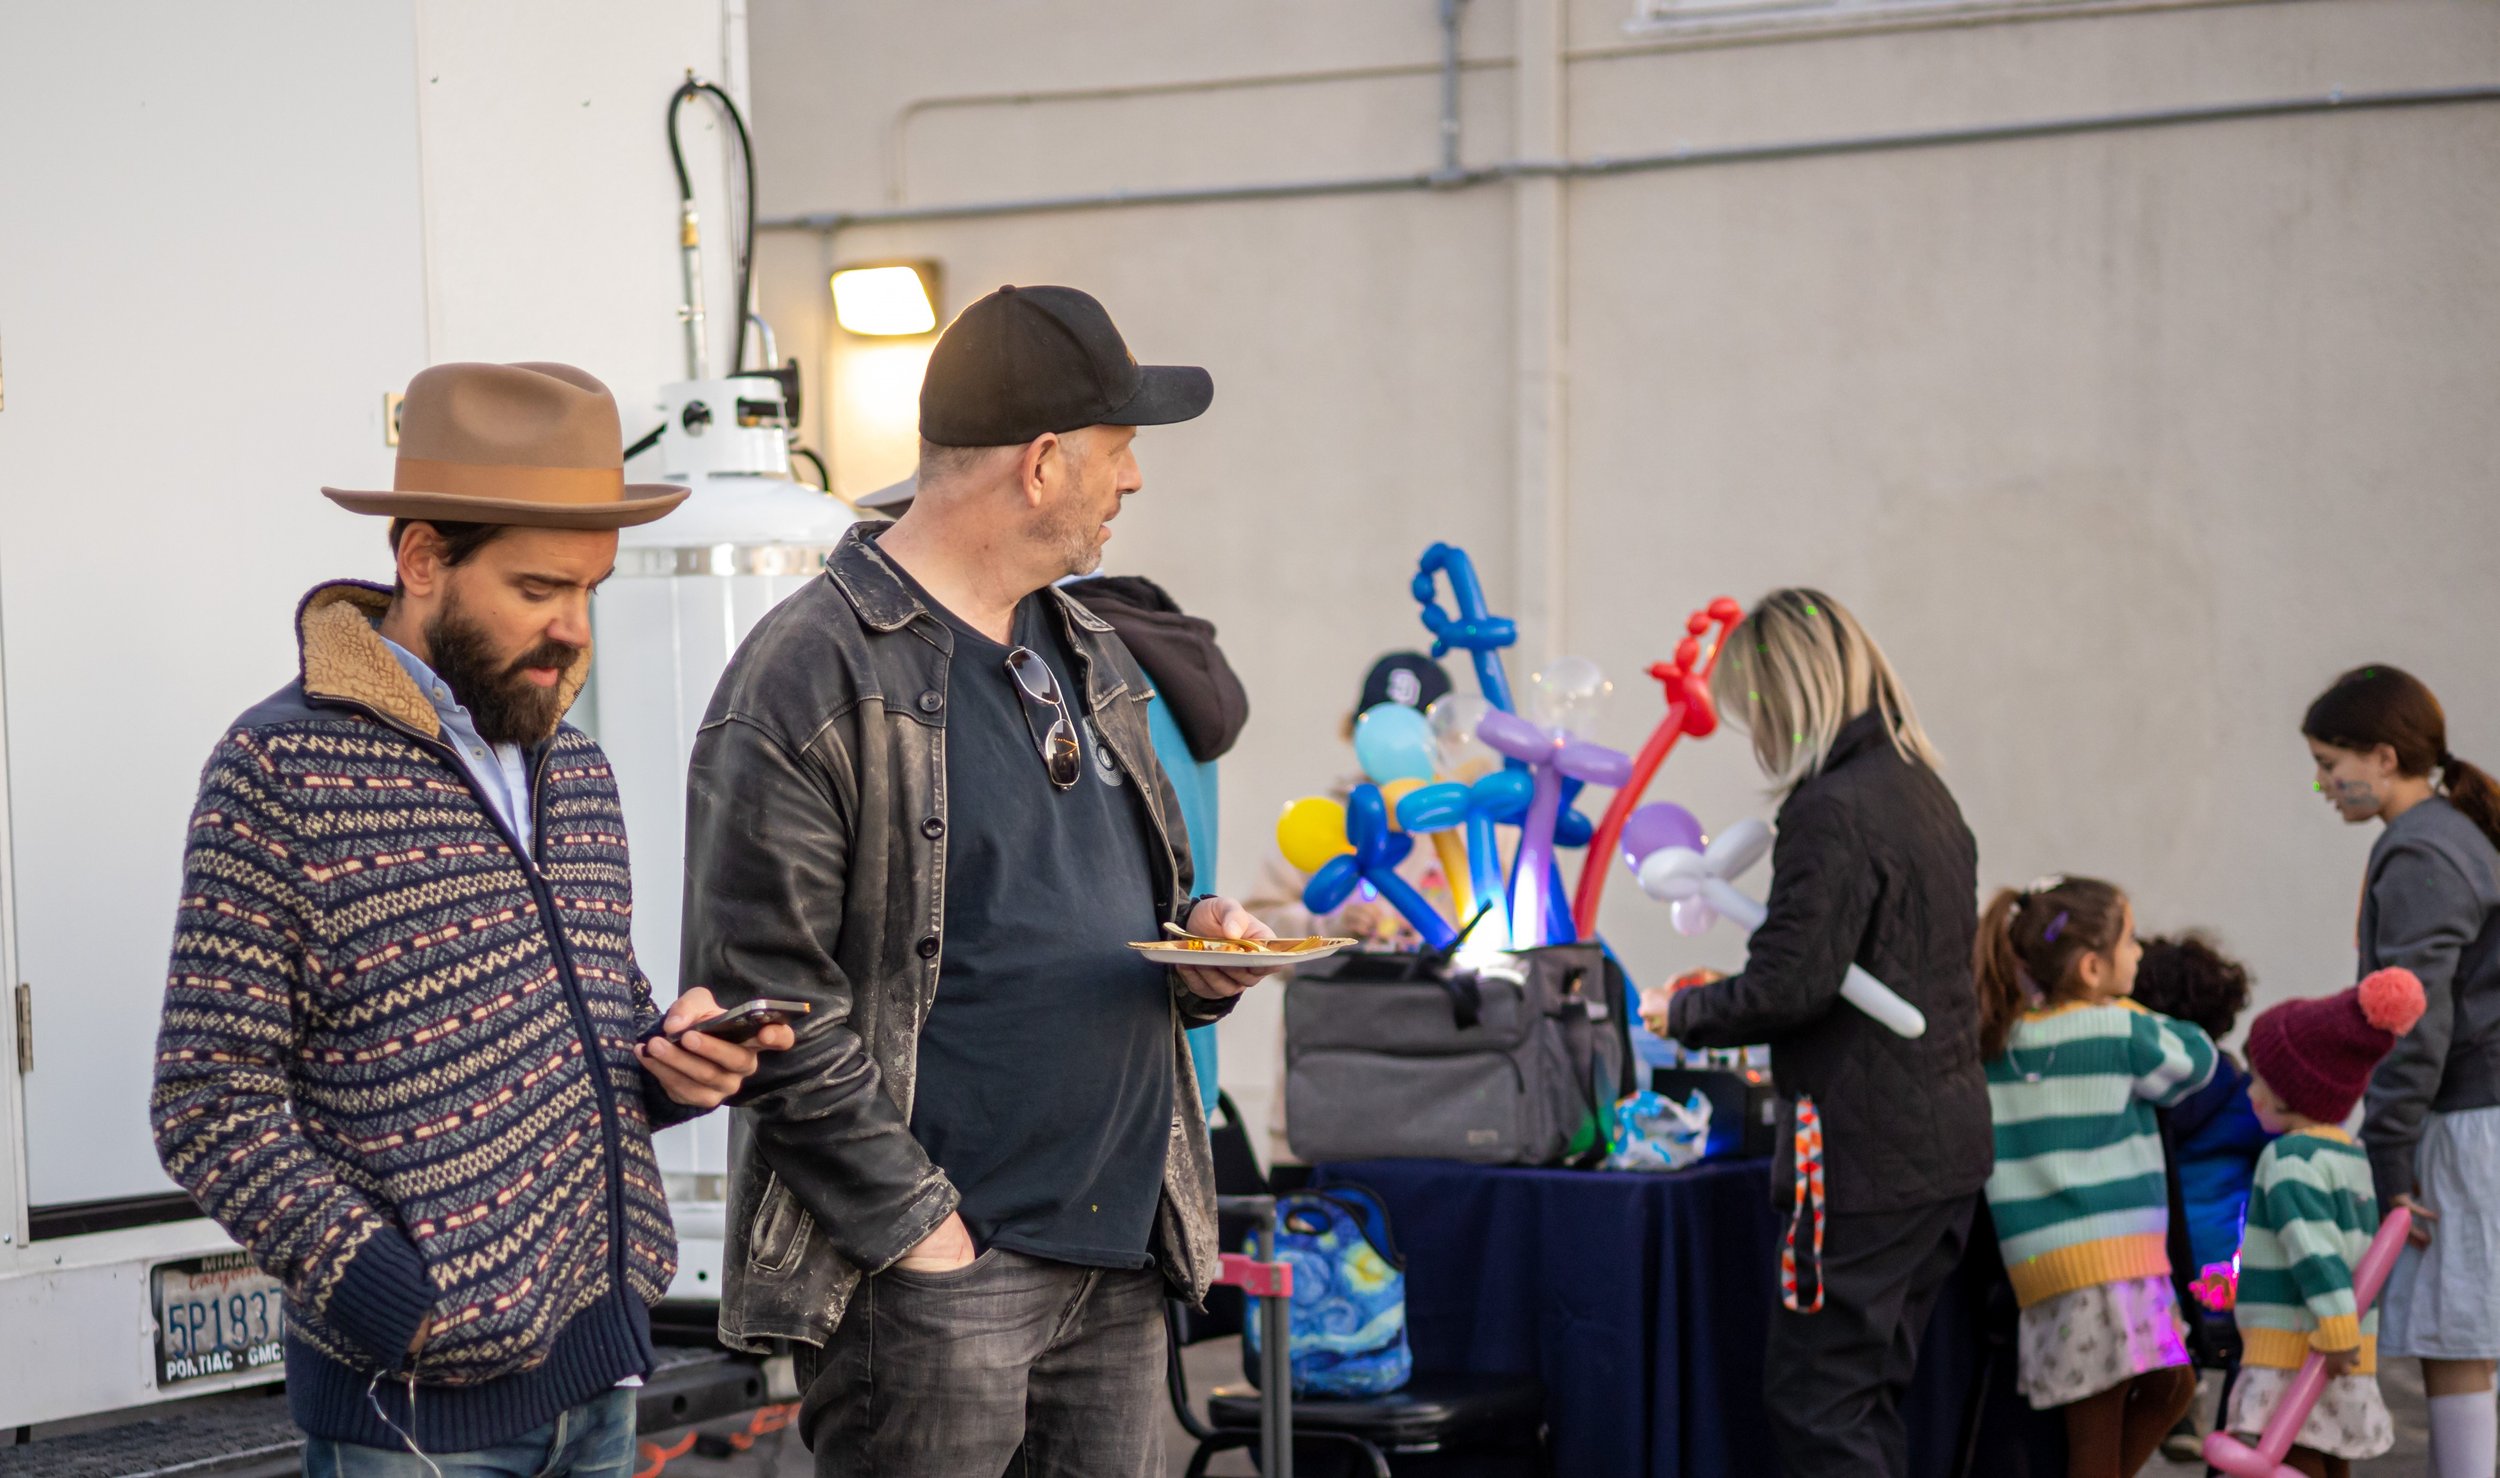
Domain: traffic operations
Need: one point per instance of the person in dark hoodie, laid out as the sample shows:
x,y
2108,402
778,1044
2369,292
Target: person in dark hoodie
x,y
2215,1135
1197,712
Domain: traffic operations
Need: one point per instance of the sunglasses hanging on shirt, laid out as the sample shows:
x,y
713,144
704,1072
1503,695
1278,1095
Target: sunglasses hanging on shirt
x,y
1046,717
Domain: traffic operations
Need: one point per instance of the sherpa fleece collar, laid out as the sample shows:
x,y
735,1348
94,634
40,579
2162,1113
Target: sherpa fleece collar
x,y
342,659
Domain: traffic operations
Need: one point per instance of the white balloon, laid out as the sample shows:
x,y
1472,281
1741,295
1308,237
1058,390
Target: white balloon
x,y
1673,873
1739,847
1696,886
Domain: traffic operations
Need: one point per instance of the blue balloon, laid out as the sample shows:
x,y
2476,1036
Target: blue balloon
x,y
1434,807
1333,884
1503,795
1474,629
1394,742
1572,829
1377,853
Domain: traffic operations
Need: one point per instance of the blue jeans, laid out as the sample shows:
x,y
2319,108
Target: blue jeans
x,y
592,1440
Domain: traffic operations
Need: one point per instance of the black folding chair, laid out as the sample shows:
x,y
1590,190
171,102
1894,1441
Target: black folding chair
x,y
1434,1413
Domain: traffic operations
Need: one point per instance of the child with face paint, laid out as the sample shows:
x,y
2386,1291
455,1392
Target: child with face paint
x,y
2079,1195
2430,903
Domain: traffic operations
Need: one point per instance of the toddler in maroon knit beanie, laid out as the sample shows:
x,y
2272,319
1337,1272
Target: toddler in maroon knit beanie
x,y
2316,1056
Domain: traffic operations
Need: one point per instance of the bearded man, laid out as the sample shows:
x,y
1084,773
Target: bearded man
x,y
407,1058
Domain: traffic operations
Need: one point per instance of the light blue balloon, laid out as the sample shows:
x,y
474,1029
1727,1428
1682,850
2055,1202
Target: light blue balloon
x,y
1394,742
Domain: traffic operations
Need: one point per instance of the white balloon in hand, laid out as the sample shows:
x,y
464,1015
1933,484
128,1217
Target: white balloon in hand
x,y
1696,886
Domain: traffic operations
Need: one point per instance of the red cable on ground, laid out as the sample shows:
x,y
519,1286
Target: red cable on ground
x,y
766,1421
658,1457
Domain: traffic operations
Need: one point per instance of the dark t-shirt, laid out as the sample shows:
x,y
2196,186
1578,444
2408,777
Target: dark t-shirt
x,y
1045,1089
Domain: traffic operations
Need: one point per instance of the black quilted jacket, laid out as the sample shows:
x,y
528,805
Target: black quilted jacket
x,y
1873,866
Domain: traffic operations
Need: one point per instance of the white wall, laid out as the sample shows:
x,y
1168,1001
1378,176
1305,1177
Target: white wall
x,y
2124,443
550,208
223,236
207,280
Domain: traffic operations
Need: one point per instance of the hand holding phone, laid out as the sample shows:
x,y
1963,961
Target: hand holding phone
x,y
703,1055
744,1023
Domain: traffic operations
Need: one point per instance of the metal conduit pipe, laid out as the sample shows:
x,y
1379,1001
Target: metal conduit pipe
x,y
1737,31
898,127
2337,101
1450,13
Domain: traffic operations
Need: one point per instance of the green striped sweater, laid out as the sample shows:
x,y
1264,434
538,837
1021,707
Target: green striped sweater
x,y
2311,1214
2078,1193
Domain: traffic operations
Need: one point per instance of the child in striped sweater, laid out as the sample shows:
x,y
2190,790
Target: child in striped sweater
x,y
2311,1215
2079,1194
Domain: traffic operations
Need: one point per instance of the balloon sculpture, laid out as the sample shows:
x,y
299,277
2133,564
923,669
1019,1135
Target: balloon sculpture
x,y
1475,791
1372,856
1475,629
1399,751
1689,711
1568,692
1473,763
2265,1460
1698,885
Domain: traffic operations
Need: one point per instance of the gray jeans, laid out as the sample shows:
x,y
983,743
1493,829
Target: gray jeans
x,y
1011,1366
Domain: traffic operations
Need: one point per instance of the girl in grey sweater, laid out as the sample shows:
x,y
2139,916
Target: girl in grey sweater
x,y
2431,903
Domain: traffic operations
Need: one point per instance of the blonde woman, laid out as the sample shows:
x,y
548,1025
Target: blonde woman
x,y
1874,867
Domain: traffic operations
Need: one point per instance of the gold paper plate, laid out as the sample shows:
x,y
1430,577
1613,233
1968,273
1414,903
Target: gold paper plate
x,y
1236,952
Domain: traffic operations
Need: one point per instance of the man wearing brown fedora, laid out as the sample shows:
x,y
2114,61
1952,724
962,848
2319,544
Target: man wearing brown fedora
x,y
925,800
407,1058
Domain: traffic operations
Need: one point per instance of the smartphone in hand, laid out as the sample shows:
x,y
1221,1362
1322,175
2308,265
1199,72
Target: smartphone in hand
x,y
742,1023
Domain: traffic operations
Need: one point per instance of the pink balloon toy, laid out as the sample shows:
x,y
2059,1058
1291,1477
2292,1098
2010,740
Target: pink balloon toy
x,y
2265,1460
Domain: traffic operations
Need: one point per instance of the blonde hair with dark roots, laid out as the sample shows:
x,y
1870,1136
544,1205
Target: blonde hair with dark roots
x,y
1798,668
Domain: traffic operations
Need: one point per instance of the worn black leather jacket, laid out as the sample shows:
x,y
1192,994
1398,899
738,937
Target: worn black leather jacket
x,y
816,869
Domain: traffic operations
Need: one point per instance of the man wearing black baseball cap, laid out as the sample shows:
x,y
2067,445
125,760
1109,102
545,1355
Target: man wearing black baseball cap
x,y
925,801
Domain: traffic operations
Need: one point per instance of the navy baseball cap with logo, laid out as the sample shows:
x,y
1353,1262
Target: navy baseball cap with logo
x,y
1410,678
1026,361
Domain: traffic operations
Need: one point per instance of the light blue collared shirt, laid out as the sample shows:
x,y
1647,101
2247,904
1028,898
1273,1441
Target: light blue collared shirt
x,y
500,771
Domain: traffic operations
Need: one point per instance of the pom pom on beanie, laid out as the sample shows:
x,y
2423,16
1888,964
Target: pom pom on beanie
x,y
2391,999
2317,1055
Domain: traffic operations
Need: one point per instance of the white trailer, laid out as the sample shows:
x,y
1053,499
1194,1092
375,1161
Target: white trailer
x,y
224,239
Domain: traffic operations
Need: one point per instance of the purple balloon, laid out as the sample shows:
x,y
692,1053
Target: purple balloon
x,y
1658,825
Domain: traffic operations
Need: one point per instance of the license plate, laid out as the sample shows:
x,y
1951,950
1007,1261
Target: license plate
x,y
214,1316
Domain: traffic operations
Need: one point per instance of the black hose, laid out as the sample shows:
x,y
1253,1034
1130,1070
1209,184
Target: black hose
x,y
647,443
685,194
824,475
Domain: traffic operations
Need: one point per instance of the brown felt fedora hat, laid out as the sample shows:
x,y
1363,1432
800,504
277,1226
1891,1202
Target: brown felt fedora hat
x,y
531,444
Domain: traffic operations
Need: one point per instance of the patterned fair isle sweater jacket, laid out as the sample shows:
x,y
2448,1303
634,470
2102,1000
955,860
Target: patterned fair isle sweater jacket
x,y
2311,1215
2079,1194
396,1059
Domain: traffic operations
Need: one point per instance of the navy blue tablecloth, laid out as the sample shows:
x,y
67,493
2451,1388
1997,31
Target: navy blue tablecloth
x,y
1642,1303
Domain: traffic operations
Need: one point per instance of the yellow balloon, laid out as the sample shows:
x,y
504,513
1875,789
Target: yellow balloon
x,y
1311,831
1394,792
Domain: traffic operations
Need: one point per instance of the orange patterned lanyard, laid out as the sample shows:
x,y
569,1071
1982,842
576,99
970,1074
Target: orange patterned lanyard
x,y
1809,1154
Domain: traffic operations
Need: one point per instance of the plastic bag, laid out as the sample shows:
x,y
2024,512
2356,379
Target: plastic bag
x,y
1651,1132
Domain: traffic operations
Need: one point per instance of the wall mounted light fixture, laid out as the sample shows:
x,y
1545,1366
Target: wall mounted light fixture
x,y
887,300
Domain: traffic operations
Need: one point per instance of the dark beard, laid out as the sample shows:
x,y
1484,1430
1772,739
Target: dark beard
x,y
506,707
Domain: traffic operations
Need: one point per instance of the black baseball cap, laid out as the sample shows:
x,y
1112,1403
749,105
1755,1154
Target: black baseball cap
x,y
1410,678
1026,361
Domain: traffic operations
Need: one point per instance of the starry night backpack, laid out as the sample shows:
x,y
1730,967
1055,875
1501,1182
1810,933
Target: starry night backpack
x,y
1346,1321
